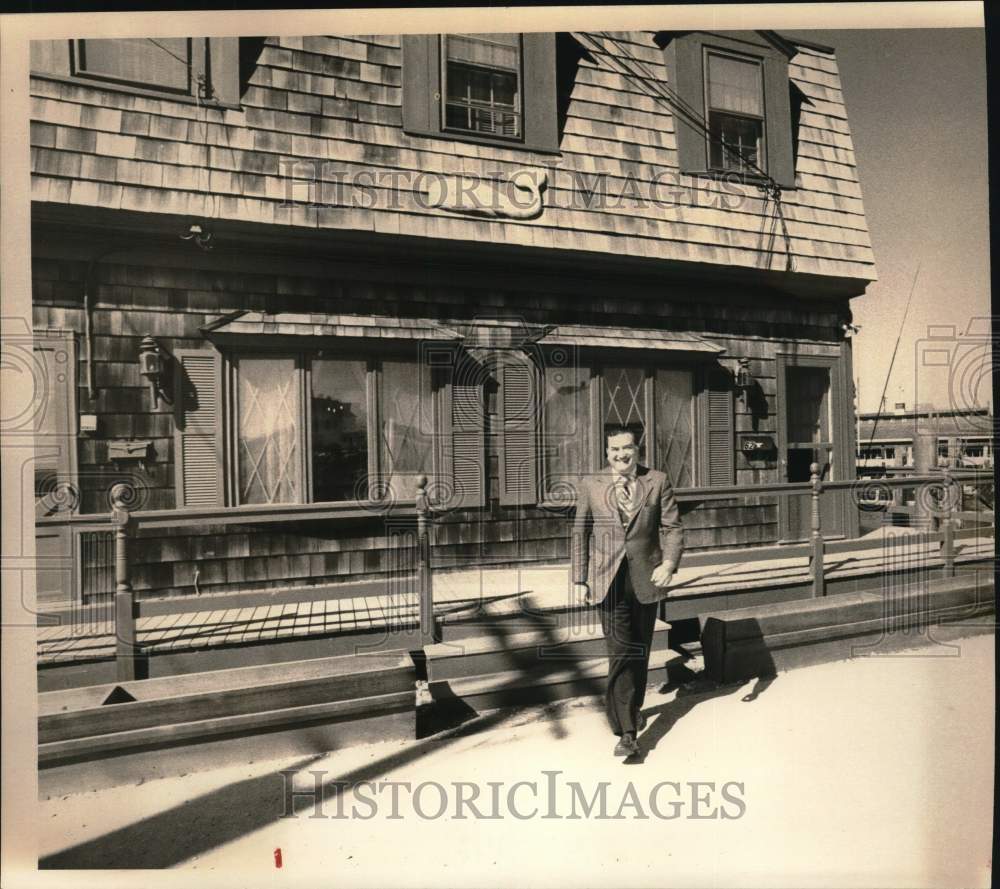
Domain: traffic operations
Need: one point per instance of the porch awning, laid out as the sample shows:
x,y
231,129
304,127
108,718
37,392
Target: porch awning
x,y
323,324
630,338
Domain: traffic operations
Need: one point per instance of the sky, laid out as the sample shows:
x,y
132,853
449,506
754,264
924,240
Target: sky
x,y
916,105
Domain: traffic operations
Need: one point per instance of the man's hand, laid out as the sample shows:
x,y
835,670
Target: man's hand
x,y
662,574
581,594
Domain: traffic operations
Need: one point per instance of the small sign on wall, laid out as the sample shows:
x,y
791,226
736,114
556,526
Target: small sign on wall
x,y
758,447
759,451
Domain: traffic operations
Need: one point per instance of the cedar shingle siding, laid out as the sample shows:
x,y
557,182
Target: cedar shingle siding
x,y
118,176
338,100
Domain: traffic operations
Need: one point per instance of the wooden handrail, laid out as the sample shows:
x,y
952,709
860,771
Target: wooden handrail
x,y
261,514
125,522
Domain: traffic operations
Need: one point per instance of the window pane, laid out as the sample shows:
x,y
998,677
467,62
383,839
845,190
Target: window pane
x,y
734,85
675,425
482,101
623,403
162,62
735,142
566,424
487,50
808,404
482,77
339,430
268,438
407,434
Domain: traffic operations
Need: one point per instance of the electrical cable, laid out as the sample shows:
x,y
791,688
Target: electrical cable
x,y
662,92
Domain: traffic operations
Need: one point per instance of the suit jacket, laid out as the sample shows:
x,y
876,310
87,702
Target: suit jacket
x,y
600,541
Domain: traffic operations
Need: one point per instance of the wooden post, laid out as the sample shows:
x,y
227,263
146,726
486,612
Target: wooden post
x,y
948,526
428,626
125,649
819,584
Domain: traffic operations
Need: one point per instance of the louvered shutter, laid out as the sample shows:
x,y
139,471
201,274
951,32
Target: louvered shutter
x,y
719,453
683,60
198,435
421,84
468,443
518,469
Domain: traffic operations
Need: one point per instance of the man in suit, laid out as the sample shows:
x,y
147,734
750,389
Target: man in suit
x,y
627,541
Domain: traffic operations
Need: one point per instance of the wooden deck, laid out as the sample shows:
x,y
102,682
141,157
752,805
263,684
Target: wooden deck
x,y
462,595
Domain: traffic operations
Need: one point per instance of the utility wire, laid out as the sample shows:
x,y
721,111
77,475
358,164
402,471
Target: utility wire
x,y
186,62
683,111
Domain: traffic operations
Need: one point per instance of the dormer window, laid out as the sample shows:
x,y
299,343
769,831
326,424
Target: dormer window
x,y
491,89
163,63
183,69
482,76
735,112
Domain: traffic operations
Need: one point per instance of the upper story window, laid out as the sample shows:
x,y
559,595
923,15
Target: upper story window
x,y
734,108
186,69
735,112
497,89
161,63
482,75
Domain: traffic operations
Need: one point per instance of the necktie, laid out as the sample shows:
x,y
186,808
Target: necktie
x,y
624,496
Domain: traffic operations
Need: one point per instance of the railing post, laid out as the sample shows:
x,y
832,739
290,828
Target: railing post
x,y
819,584
125,638
948,526
428,626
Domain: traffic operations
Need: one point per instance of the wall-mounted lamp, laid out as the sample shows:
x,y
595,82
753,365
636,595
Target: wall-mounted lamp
x,y
744,379
152,366
200,235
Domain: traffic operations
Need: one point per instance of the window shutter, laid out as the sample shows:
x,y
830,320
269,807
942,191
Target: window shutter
x,y
541,120
719,468
780,156
421,84
198,430
683,59
518,469
468,444
224,70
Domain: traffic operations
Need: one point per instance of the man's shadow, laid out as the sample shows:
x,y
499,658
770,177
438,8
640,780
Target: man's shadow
x,y
692,688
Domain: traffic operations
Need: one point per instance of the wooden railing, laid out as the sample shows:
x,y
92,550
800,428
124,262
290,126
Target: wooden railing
x,y
939,506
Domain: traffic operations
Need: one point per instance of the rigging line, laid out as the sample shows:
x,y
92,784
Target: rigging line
x,y
652,86
678,103
892,360
169,52
672,95
772,230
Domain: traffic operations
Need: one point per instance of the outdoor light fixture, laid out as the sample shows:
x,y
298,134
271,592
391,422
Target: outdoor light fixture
x,y
152,367
744,379
200,235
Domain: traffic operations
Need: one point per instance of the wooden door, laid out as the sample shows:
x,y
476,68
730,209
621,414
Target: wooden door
x,y
808,435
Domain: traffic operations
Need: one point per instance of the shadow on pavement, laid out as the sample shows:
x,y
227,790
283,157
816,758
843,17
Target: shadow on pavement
x,y
692,688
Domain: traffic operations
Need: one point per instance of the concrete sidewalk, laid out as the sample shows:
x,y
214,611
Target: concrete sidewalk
x,y
872,772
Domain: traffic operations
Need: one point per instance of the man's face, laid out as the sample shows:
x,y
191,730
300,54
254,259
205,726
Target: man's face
x,y
622,452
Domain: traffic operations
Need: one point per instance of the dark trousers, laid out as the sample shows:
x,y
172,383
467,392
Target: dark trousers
x,y
628,631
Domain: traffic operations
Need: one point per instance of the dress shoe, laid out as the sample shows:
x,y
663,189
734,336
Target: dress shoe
x,y
627,745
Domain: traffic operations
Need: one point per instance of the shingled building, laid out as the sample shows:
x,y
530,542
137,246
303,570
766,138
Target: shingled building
x,y
287,276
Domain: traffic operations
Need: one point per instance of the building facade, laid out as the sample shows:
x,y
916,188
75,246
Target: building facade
x,y
885,438
288,276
